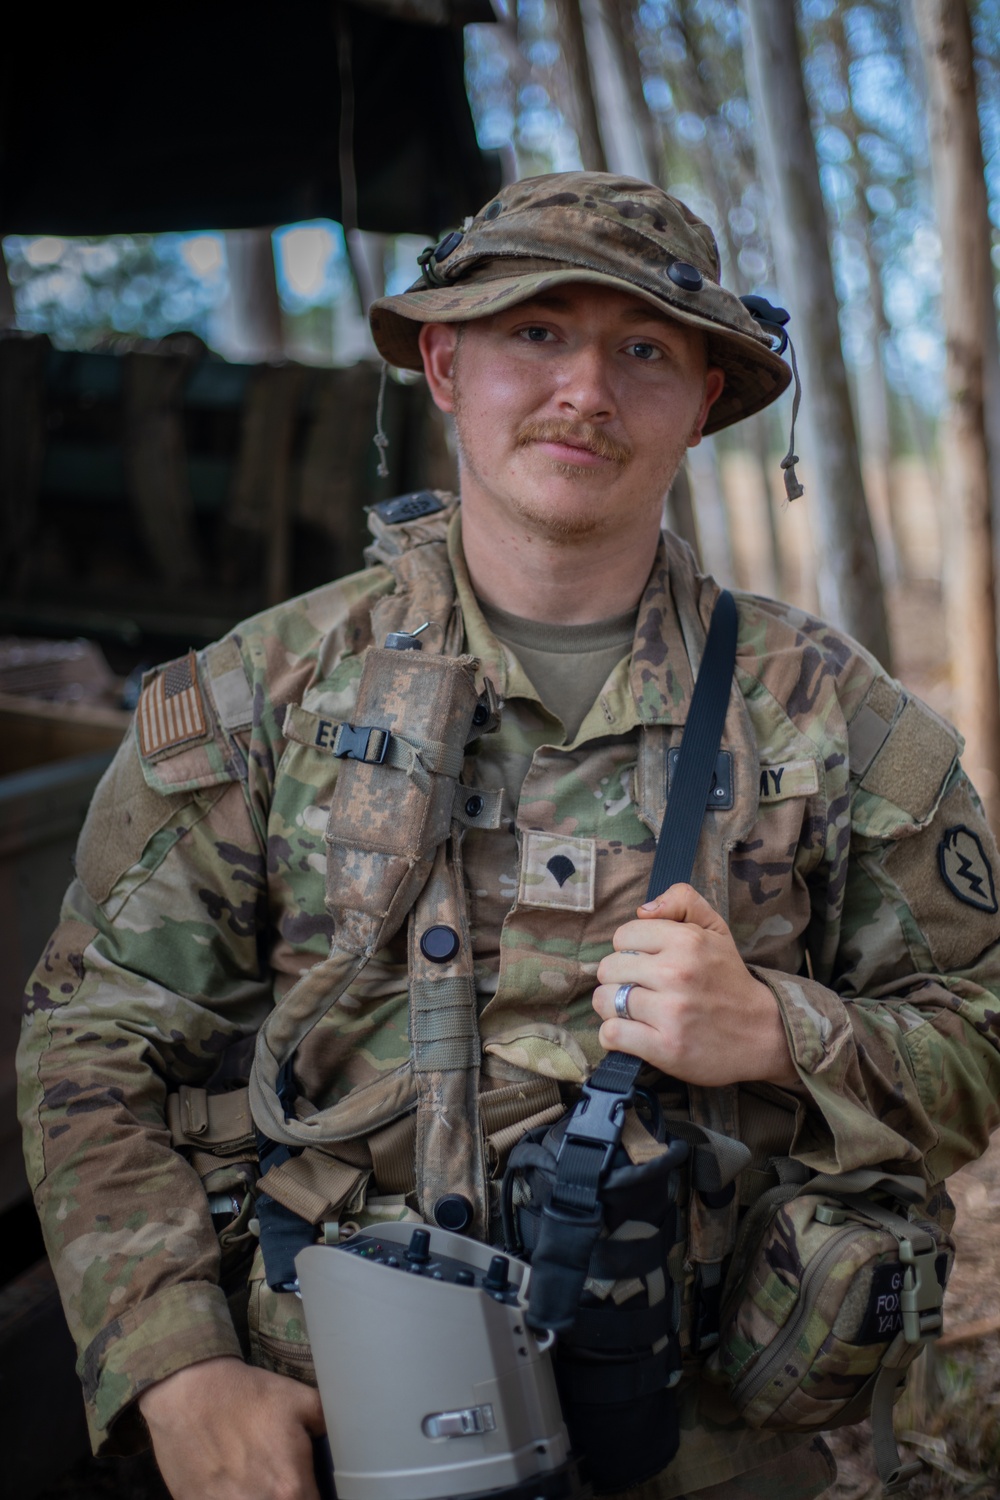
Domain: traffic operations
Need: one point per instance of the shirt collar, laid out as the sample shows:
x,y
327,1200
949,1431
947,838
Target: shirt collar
x,y
652,686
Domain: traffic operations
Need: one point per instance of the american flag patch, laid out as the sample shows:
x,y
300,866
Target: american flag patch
x,y
170,708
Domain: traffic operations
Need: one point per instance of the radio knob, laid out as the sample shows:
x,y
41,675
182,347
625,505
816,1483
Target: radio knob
x,y
495,1279
419,1250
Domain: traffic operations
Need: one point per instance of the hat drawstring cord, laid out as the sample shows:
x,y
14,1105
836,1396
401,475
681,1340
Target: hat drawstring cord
x,y
380,440
793,489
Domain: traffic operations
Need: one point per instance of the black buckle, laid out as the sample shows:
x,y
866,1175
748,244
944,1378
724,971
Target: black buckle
x,y
355,744
596,1122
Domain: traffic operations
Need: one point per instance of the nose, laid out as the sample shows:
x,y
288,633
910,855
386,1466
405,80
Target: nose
x,y
585,390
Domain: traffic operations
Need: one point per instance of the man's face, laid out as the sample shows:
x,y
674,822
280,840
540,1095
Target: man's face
x,y
573,410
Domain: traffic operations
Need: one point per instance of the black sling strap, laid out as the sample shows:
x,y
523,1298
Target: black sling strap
x,y
571,1221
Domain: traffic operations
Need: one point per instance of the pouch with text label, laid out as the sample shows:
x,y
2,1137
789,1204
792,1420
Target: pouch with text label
x,y
831,1296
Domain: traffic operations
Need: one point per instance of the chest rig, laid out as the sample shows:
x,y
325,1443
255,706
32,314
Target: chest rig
x,y
393,857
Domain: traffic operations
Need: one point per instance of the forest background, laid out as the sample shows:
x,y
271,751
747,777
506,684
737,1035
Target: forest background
x,y
690,93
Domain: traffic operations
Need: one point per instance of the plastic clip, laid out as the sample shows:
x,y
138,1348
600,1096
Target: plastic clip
x,y
365,744
920,1298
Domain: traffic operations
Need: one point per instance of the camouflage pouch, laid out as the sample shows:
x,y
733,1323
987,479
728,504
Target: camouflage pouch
x,y
832,1294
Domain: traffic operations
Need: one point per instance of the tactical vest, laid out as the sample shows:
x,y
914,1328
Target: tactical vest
x,y
425,1129
394,837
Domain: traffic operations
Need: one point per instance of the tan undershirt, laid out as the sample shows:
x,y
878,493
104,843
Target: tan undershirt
x,y
568,664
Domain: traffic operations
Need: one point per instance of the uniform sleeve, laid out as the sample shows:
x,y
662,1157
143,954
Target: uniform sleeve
x,y
158,966
898,1052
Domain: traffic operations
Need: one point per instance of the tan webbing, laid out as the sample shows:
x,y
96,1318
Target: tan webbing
x,y
639,1145
514,1102
313,1185
501,1143
444,1032
392,1152
217,1123
506,1114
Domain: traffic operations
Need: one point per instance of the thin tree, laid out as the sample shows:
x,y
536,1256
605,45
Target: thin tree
x,y
874,405
966,308
583,105
850,587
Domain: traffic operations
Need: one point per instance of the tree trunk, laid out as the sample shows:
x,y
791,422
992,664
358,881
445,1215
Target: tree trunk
x,y
966,306
874,404
712,511
581,86
618,15
253,291
772,583
850,588
679,511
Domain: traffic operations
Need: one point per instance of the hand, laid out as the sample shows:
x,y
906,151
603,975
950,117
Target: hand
x,y
696,1012
223,1430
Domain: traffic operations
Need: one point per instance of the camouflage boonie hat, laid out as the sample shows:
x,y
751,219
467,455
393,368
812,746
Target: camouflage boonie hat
x,y
593,227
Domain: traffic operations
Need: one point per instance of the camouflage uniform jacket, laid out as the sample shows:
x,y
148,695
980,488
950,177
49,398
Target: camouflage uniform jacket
x,y
851,861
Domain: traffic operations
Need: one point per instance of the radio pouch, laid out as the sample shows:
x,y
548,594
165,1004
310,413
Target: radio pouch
x,y
831,1295
618,1359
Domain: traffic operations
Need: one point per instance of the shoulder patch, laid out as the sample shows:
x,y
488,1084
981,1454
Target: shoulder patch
x,y
910,768
124,815
954,934
869,729
171,711
966,869
229,685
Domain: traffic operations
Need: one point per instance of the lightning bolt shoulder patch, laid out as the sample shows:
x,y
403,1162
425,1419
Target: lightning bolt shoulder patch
x,y
965,868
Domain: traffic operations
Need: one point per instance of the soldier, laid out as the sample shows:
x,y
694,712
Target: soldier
x,y
833,963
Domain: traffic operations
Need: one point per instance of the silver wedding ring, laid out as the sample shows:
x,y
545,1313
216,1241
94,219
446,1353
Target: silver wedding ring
x,y
621,1001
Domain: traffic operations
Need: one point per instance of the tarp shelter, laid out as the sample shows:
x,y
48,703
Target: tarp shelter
x,y
236,115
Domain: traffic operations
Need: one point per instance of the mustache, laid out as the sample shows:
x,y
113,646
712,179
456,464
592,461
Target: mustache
x,y
578,435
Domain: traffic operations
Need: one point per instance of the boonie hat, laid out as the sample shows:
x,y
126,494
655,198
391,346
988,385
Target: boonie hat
x,y
606,230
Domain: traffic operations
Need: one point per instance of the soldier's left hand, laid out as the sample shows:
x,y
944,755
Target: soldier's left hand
x,y
695,1012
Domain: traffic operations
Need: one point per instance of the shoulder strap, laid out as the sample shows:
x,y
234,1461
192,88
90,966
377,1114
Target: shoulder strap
x,y
572,1218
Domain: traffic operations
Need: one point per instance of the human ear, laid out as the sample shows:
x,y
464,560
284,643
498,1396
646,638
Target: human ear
x,y
437,344
714,381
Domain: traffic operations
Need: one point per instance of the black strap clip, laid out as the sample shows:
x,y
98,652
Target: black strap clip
x,y
595,1125
364,743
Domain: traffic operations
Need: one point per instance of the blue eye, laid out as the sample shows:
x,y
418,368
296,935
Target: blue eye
x,y
645,351
535,335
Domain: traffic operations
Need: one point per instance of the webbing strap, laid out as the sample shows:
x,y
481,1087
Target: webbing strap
x,y
595,1126
443,1030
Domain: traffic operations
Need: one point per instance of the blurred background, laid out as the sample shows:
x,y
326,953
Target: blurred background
x,y
196,209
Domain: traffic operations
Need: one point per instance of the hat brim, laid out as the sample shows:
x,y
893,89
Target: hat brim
x,y
755,375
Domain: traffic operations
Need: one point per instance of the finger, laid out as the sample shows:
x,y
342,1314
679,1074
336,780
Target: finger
x,y
627,968
682,903
650,938
312,1416
640,1003
618,1035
